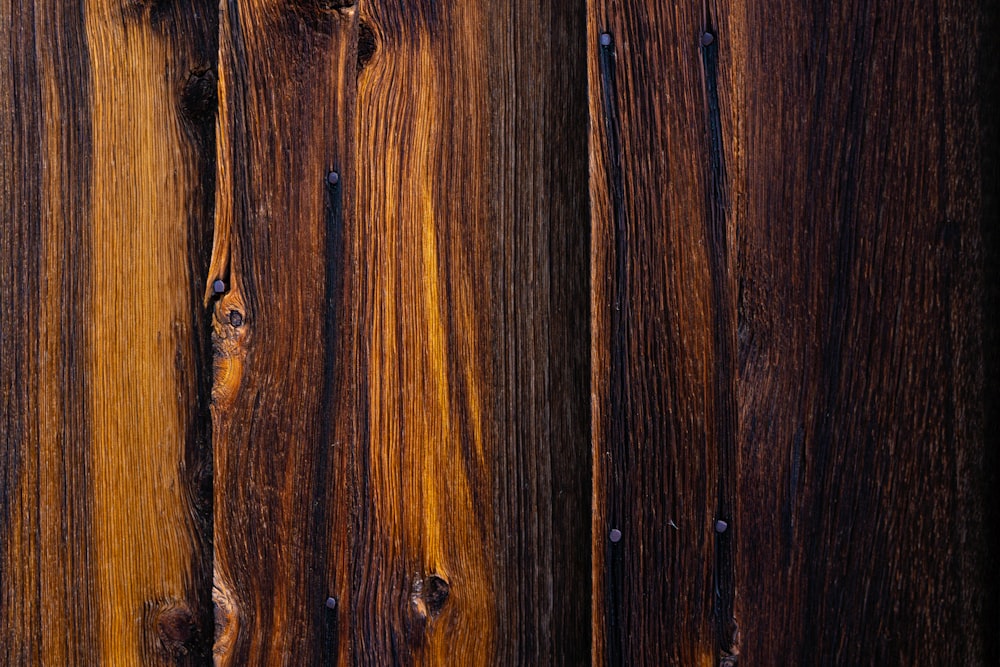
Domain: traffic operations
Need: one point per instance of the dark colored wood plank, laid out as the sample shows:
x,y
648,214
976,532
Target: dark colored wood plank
x,y
104,515
663,356
282,423
470,204
860,526
799,204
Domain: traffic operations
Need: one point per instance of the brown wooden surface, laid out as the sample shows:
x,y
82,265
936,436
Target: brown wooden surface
x,y
789,329
374,444
400,399
860,527
106,137
661,315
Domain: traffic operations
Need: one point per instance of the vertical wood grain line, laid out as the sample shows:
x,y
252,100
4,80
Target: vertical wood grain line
x,y
45,499
618,434
724,340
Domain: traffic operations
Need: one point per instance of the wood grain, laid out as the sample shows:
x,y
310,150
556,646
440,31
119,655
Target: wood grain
x,y
860,526
285,90
471,238
104,516
663,326
400,401
790,334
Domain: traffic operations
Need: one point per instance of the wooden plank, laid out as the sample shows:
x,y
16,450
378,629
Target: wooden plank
x,y
663,364
400,398
282,418
103,511
473,504
860,531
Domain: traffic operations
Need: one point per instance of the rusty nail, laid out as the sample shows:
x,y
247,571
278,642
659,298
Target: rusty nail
x,y
615,535
707,39
219,287
331,603
333,178
720,526
605,39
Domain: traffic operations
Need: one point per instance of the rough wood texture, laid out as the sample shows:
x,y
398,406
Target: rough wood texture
x,y
860,507
105,129
400,399
663,322
788,227
286,80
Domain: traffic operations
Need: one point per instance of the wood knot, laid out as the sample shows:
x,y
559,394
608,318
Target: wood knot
x,y
335,4
321,16
175,628
227,622
427,599
435,594
366,45
151,12
199,96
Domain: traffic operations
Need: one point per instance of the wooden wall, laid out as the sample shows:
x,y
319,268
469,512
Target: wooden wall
x,y
619,332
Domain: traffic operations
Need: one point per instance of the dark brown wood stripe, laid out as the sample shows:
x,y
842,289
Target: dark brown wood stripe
x,y
45,512
860,536
282,405
658,387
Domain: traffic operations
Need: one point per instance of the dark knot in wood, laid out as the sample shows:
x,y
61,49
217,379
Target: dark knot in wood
x,y
176,629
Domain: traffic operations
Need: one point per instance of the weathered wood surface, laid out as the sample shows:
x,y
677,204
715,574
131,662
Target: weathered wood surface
x,y
782,323
788,320
663,322
860,534
400,408
106,136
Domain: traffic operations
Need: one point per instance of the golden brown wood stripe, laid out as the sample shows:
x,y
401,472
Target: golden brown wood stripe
x,y
470,196
661,313
104,515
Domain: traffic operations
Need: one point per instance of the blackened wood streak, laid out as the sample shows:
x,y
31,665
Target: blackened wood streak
x,y
717,207
617,436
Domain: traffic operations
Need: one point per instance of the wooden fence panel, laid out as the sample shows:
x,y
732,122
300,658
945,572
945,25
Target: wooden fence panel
x,y
286,81
469,223
465,332
106,132
789,208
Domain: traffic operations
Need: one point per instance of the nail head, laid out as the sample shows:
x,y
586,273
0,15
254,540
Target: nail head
x,y
333,178
331,603
615,535
605,39
721,526
219,287
707,38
